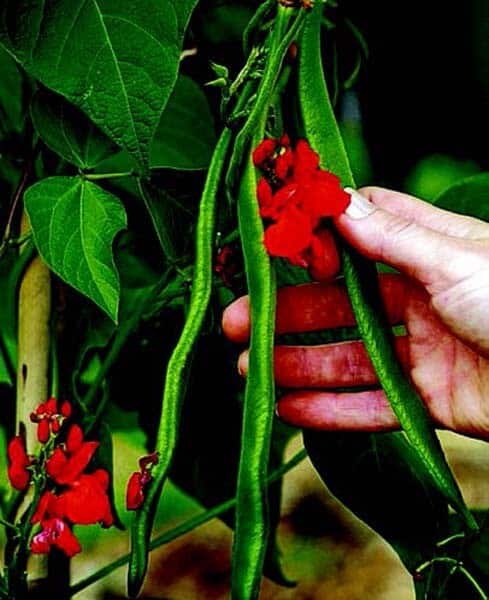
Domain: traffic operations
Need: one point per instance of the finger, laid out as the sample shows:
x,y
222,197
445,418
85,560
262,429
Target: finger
x,y
434,259
331,365
425,214
314,306
327,411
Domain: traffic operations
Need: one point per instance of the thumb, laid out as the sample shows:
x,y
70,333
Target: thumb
x,y
430,257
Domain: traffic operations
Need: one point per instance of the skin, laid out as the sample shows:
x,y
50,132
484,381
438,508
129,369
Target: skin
x,y
441,296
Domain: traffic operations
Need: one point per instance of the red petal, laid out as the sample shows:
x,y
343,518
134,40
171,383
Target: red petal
x,y
52,406
103,478
64,538
56,463
264,152
41,543
74,439
85,502
66,409
55,425
77,463
284,141
290,237
16,451
282,200
43,507
264,193
134,492
284,164
43,431
306,161
324,262
150,459
18,476
41,409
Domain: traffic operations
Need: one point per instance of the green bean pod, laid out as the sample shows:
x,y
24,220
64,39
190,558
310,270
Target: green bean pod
x,y
177,367
360,274
251,528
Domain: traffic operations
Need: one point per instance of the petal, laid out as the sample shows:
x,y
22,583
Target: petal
x,y
66,409
51,406
43,507
77,463
103,478
65,539
264,152
282,200
16,451
85,502
74,439
43,430
150,459
289,237
264,193
56,463
323,259
306,161
284,164
41,543
19,476
134,492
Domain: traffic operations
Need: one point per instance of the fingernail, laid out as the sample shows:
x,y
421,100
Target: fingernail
x,y
359,206
243,363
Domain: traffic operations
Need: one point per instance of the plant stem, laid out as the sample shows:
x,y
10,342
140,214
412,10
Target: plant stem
x,y
458,566
184,527
102,176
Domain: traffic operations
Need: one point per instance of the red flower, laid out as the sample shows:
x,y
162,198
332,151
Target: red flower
x,y
18,473
296,195
85,501
55,532
48,419
139,481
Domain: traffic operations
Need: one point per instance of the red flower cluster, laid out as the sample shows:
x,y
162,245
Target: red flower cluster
x,y
139,480
295,196
69,495
48,419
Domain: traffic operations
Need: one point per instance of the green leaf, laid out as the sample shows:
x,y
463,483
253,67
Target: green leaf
x,y
68,132
468,197
185,137
74,223
375,475
117,61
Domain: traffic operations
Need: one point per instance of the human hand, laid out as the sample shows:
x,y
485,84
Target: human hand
x,y
442,298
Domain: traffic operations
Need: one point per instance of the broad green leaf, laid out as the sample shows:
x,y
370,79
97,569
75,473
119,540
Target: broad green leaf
x,y
470,196
185,137
117,61
74,223
68,132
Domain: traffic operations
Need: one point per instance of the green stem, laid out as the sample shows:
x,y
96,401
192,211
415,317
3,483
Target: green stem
x,y
102,176
184,527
